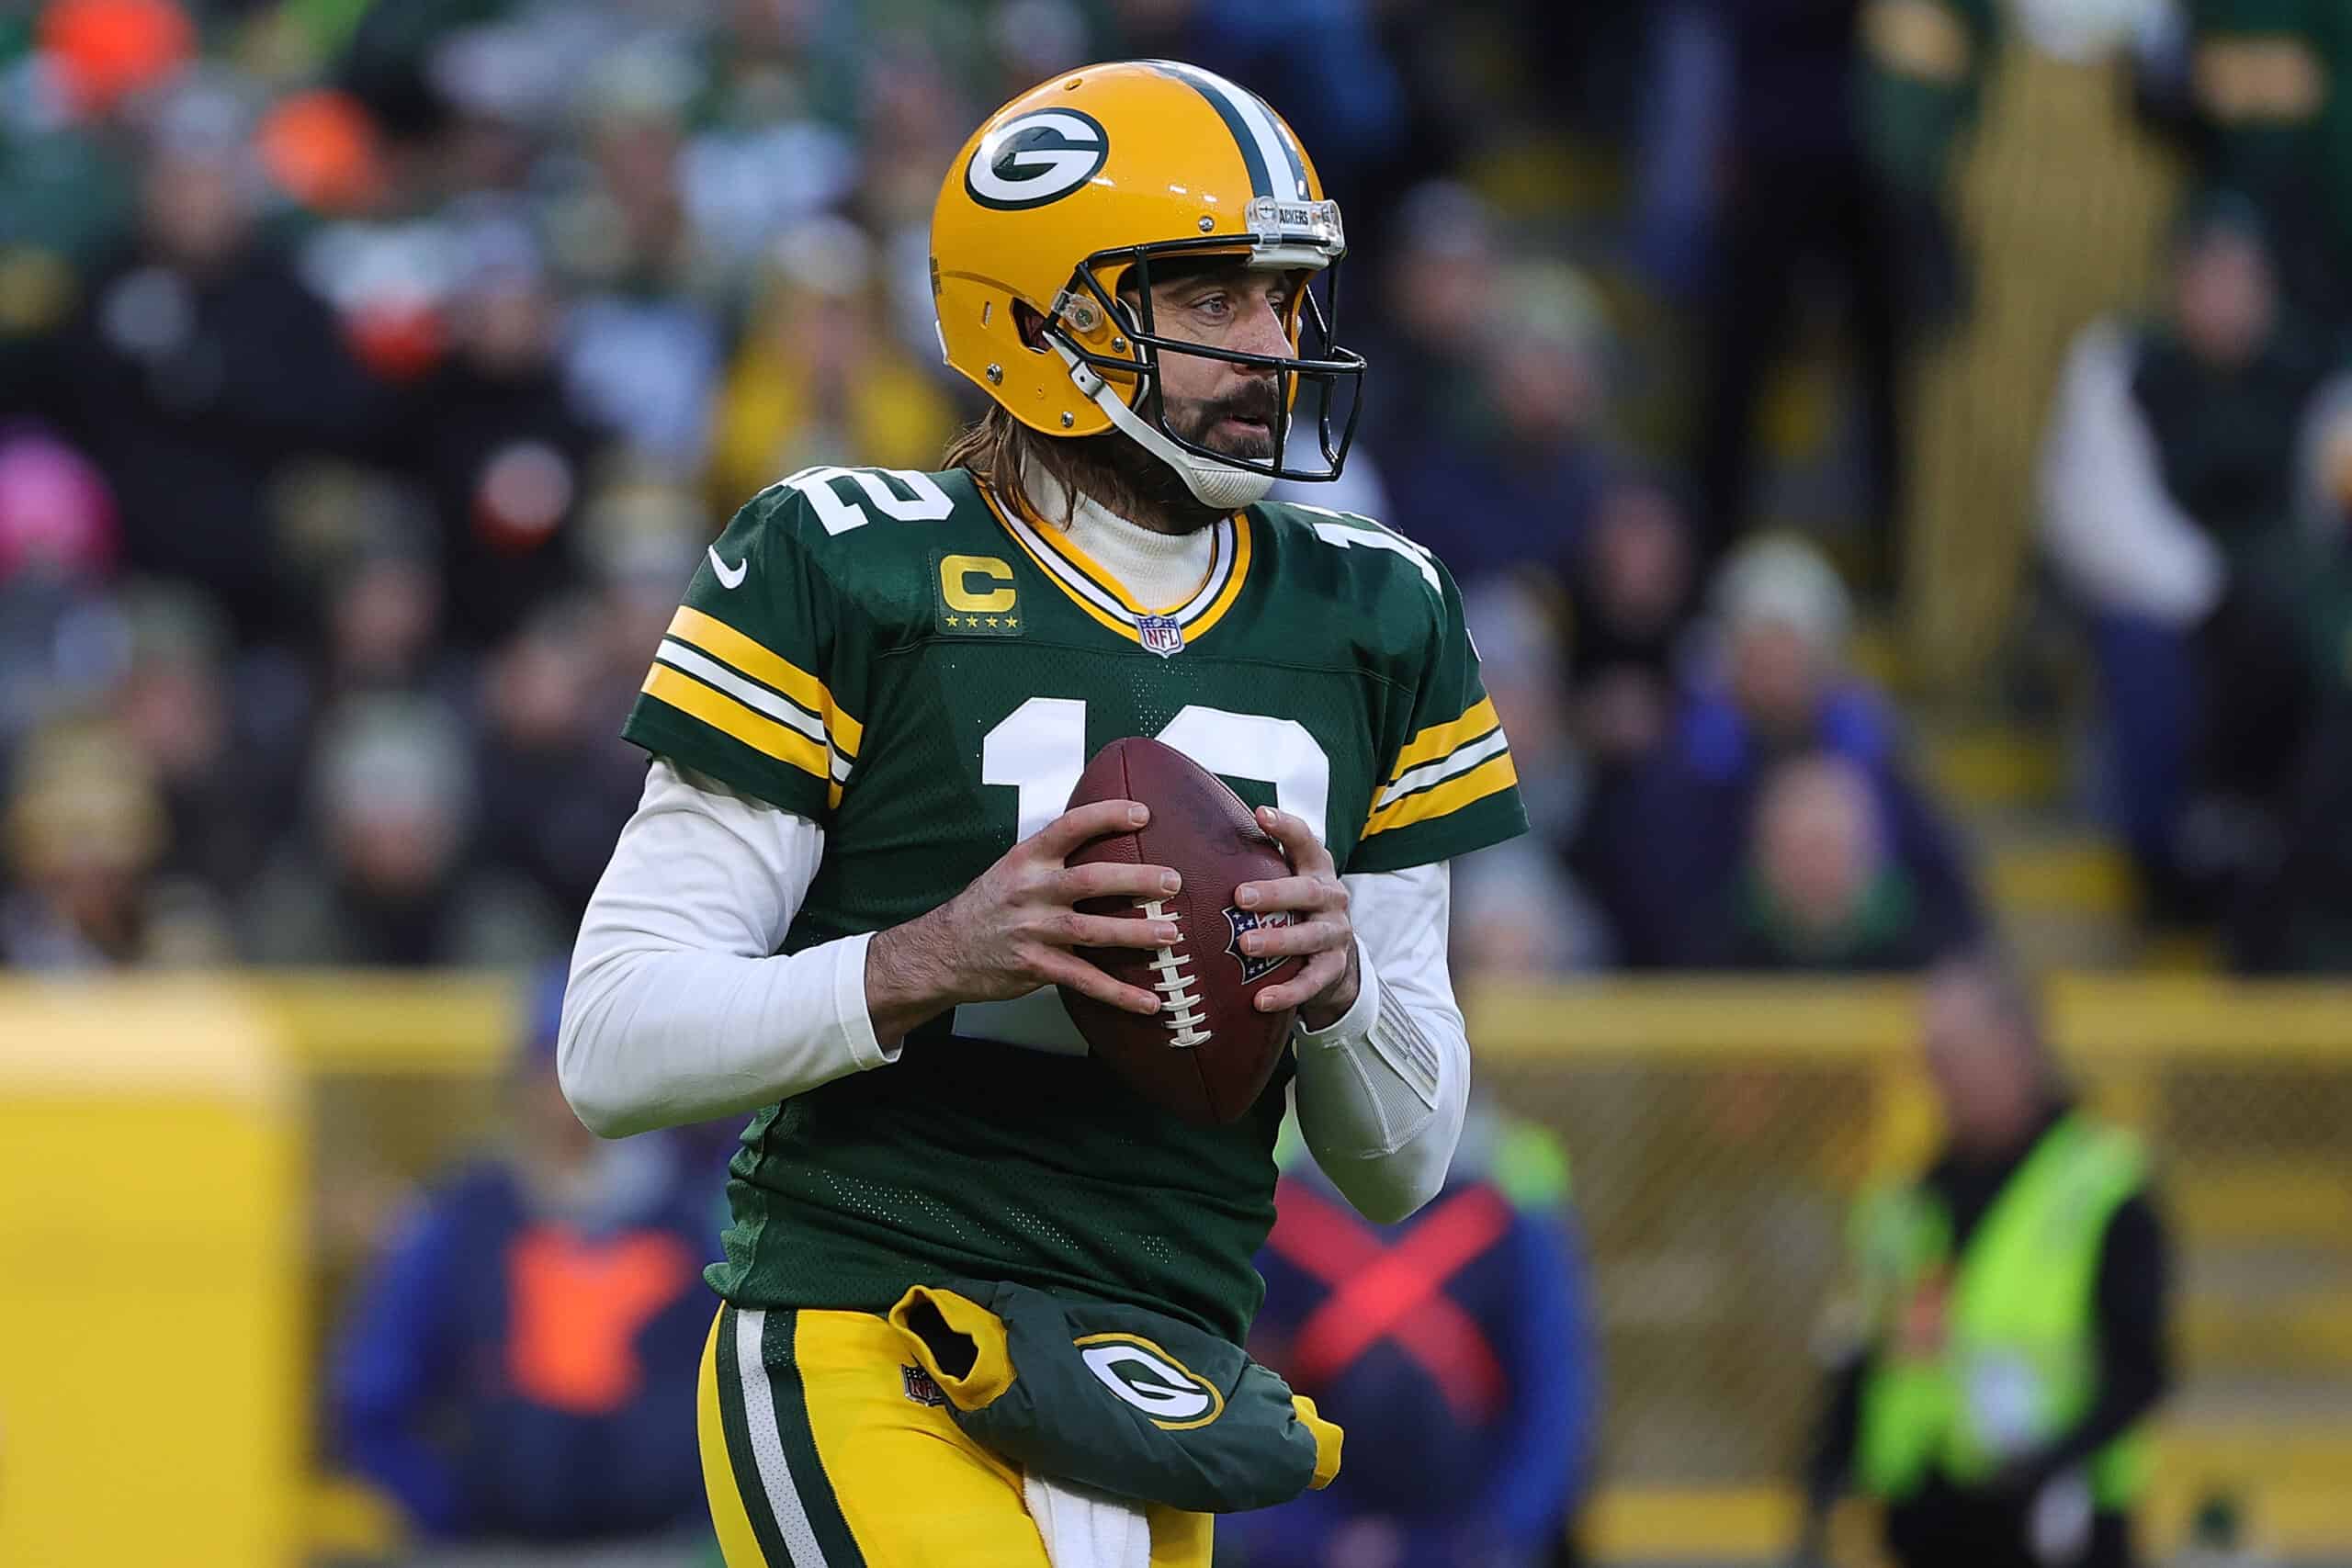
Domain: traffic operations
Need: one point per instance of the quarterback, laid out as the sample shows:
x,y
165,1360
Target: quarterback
x,y
842,906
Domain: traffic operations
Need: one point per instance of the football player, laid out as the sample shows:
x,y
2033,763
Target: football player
x,y
843,906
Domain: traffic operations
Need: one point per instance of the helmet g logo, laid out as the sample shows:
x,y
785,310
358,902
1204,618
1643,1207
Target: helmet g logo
x,y
1036,158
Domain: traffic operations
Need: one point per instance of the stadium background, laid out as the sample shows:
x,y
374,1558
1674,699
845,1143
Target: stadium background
x,y
322,591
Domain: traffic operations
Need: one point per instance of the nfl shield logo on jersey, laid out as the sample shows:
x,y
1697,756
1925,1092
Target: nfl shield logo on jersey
x,y
1160,634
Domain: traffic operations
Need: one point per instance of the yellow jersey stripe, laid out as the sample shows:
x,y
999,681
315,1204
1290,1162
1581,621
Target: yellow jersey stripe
x,y
1101,615
1050,538
717,638
1055,540
1488,777
1200,623
730,718
1438,739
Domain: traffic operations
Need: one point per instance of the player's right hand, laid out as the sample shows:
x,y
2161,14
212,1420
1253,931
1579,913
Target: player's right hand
x,y
1011,931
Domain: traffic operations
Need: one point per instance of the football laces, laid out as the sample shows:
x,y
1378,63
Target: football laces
x,y
1179,1005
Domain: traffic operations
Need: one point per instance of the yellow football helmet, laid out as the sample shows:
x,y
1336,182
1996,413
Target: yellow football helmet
x,y
1069,194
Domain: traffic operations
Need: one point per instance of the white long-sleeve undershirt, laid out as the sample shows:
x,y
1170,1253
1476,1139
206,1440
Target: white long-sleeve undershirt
x,y
679,1008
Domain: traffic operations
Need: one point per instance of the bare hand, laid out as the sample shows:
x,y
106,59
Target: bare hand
x,y
1326,987
1011,931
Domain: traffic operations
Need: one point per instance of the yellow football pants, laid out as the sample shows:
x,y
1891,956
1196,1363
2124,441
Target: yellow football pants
x,y
824,1446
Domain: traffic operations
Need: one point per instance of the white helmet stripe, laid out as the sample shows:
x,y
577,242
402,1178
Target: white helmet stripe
x,y
1282,165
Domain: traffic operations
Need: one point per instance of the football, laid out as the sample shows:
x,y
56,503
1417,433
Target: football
x,y
1207,1055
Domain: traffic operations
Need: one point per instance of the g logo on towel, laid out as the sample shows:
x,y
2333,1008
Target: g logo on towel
x,y
1173,1396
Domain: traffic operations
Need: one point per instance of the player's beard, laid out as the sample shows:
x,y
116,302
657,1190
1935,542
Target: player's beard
x,y
1135,484
1199,421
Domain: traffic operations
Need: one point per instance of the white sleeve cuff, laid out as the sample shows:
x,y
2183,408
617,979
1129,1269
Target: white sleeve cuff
x,y
1355,1023
1380,1092
852,1021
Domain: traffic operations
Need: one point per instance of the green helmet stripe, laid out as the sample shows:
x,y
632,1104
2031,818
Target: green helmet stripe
x,y
1273,162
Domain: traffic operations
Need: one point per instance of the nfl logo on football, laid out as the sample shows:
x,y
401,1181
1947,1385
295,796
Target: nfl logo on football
x,y
1160,634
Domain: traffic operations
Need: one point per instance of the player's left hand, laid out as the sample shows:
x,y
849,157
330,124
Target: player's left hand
x,y
1326,987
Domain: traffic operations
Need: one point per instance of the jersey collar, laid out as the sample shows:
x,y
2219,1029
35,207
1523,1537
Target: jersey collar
x,y
1102,596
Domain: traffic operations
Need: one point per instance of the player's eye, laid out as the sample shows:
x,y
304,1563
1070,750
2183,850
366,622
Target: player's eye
x,y
1215,306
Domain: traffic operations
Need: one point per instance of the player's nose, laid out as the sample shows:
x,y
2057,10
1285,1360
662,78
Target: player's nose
x,y
1263,328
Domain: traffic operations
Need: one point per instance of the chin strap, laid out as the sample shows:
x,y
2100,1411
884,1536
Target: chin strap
x,y
1219,485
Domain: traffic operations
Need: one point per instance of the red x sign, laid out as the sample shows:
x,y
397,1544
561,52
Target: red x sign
x,y
1393,1291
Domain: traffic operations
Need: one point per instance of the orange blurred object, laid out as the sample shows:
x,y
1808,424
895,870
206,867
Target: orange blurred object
x,y
320,148
108,50
399,343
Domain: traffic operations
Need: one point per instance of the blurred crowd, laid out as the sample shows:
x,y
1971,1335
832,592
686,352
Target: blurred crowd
x,y
372,375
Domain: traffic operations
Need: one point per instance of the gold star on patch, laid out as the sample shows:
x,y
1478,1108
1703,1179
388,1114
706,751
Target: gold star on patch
x,y
951,620
1013,620
991,620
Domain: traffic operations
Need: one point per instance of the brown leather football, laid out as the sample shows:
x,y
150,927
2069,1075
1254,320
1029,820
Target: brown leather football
x,y
1208,1052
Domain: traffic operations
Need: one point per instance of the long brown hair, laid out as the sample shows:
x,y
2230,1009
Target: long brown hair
x,y
1107,468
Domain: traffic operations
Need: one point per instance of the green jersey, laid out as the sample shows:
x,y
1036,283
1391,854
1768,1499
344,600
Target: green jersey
x,y
924,672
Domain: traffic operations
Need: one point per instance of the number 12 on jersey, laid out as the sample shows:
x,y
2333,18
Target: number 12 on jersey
x,y
1039,750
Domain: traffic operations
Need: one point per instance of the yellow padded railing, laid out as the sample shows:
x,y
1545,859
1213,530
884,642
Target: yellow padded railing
x,y
1716,1128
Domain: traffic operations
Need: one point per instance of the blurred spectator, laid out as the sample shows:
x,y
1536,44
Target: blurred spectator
x,y
85,833
772,146
1458,1347
642,345
2014,1314
778,61
642,536
1516,913
1509,473
1660,846
2169,468
2264,86
1819,890
1801,192
200,363
496,438
59,542
175,701
1686,97
1632,585
510,1373
1436,292
1925,69
820,378
911,121
2291,909
557,783
384,875
383,622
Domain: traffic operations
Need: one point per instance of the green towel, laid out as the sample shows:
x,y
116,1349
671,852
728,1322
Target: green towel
x,y
1118,1398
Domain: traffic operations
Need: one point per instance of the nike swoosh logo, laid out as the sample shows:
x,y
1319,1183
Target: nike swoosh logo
x,y
728,576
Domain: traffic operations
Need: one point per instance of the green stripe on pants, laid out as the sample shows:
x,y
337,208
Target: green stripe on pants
x,y
800,1444
740,1457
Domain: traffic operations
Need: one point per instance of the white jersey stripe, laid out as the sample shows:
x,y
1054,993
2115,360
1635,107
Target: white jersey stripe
x,y
767,1445
1461,759
1220,570
710,673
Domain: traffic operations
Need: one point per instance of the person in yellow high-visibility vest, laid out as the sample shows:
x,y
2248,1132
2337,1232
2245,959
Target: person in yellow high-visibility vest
x,y
2013,1308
